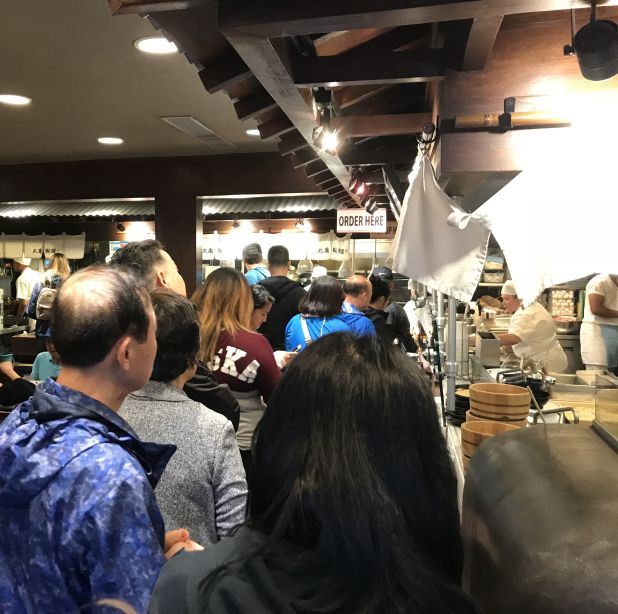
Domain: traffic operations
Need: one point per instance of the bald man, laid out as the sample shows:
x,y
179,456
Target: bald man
x,y
78,516
357,289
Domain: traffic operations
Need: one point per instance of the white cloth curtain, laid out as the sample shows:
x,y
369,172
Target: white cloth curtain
x,y
555,224
443,254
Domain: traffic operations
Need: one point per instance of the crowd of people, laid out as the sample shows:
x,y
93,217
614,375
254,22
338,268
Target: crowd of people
x,y
273,445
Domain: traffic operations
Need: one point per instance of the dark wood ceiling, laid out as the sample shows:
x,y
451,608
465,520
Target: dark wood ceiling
x,y
383,61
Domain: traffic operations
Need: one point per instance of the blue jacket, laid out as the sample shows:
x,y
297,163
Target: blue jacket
x,y
256,275
355,323
78,517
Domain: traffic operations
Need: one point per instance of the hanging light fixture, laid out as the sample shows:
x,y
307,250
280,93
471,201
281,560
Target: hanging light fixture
x,y
358,185
596,47
371,205
324,136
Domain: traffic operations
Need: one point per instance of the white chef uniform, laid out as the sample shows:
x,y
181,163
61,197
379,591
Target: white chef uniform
x,y
535,327
25,284
599,335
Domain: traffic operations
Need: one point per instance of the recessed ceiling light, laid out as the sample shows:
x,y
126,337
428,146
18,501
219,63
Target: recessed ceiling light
x,y
110,140
253,132
14,99
155,44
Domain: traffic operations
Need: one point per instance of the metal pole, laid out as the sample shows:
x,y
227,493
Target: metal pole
x,y
440,322
451,355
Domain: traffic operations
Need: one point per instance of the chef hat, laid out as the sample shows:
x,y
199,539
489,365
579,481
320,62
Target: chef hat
x,y
318,271
509,288
24,261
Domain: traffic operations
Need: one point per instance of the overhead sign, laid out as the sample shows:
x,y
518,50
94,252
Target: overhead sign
x,y
391,231
358,220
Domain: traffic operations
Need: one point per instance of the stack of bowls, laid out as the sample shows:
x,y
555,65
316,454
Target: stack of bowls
x,y
473,434
462,405
499,403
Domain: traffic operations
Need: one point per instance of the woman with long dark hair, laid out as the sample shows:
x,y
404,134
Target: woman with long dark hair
x,y
354,504
320,314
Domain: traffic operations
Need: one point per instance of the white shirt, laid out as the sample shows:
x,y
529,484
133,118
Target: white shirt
x,y
605,286
535,327
24,285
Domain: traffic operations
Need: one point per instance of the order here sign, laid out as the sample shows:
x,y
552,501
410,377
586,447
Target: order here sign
x,y
358,220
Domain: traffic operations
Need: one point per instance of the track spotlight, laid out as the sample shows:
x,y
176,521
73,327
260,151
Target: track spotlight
x,y
120,227
358,185
236,224
596,47
371,206
302,225
323,136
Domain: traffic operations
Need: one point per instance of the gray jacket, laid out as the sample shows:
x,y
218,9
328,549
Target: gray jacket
x,y
203,487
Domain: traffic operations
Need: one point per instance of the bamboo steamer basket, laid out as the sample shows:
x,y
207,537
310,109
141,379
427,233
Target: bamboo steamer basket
x,y
500,394
465,461
499,401
473,434
472,417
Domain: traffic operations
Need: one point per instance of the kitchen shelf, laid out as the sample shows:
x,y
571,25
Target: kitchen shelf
x,y
485,284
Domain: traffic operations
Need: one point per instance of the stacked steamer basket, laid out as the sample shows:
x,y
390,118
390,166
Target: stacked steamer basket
x,y
499,403
473,434
494,409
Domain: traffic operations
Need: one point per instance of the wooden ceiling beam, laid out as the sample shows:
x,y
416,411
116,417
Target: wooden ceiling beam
x,y
322,176
268,60
338,191
275,127
284,18
145,7
481,41
380,125
389,67
313,168
392,155
335,43
225,73
254,104
302,157
329,183
291,143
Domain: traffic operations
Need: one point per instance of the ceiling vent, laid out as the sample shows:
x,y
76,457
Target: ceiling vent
x,y
196,129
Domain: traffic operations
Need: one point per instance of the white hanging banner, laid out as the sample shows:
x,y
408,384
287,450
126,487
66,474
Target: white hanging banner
x,y
13,246
33,246
53,244
75,246
322,248
446,256
209,246
340,248
358,220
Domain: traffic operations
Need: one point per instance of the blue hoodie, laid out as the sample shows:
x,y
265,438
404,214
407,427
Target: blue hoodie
x,y
78,517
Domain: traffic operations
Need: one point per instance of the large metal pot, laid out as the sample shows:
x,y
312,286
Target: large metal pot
x,y
567,327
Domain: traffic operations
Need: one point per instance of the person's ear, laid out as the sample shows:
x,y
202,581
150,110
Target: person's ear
x,y
160,280
124,350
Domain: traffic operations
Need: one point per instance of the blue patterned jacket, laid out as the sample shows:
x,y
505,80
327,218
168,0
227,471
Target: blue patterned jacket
x,y
78,517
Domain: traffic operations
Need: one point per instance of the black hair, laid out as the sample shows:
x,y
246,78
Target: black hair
x,y
178,335
261,296
93,309
354,495
324,298
356,285
141,256
278,255
379,288
252,253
